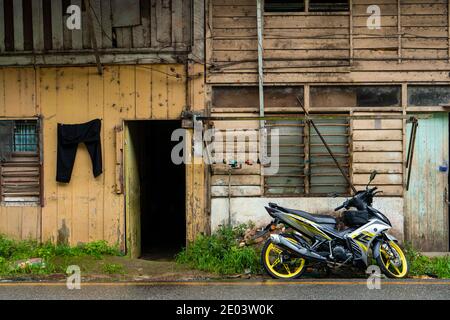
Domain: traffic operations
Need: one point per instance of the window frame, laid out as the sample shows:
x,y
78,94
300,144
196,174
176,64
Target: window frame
x,y
306,10
307,156
39,154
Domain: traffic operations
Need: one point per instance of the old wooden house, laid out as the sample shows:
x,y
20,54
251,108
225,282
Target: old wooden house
x,y
346,59
134,64
140,66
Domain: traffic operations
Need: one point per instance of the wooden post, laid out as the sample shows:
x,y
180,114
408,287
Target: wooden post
x,y
350,36
93,38
399,30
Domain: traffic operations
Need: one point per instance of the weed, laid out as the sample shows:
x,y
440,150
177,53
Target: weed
x,y
220,253
112,268
421,265
11,251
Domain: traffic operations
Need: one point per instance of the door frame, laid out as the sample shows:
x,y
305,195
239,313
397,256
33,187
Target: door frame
x,y
196,191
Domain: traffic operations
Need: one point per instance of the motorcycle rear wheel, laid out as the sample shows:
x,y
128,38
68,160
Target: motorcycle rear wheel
x,y
272,259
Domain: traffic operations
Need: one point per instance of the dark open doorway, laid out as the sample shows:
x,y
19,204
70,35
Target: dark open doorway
x,y
161,186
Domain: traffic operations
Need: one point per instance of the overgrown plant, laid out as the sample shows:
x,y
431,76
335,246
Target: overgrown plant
x,y
12,251
220,253
420,265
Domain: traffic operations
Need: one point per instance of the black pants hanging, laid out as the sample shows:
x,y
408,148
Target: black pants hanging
x,y
69,136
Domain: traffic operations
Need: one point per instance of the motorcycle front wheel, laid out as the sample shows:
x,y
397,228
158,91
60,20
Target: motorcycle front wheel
x,y
391,259
279,263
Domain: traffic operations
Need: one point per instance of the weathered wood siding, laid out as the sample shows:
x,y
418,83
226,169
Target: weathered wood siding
x,y
157,24
378,145
330,46
87,208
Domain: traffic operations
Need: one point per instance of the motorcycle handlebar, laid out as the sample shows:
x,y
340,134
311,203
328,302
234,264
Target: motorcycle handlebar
x,y
340,207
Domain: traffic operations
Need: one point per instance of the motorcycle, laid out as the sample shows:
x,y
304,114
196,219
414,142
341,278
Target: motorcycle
x,y
315,239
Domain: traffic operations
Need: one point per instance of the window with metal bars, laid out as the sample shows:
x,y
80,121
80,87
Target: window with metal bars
x,y
284,6
302,5
305,166
20,168
25,136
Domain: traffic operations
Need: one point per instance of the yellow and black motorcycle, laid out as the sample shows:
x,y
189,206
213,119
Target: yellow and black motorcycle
x,y
315,239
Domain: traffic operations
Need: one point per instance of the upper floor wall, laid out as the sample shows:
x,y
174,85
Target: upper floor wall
x,y
306,42
124,31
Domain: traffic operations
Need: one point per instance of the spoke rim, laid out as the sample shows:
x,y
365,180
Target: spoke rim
x,y
282,270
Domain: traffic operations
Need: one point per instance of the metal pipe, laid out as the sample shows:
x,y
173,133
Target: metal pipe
x,y
299,250
412,141
259,23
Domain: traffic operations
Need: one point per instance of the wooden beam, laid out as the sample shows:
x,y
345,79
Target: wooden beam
x,y
106,23
57,25
77,35
198,30
18,25
38,26
351,31
2,27
399,30
92,36
448,28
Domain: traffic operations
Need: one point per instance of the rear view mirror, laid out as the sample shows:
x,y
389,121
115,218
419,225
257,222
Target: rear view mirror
x,y
373,174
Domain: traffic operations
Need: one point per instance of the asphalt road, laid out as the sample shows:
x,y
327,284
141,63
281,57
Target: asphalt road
x,y
233,290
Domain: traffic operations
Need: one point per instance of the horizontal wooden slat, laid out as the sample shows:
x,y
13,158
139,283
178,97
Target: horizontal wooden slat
x,y
19,177
378,157
222,169
236,191
377,146
236,180
377,135
380,179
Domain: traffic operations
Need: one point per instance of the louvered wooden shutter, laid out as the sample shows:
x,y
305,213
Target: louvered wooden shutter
x,y
325,177
290,179
20,178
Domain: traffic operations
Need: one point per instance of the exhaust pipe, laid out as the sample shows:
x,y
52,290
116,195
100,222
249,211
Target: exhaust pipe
x,y
296,249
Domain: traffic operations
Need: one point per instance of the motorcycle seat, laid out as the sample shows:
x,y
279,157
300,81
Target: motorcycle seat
x,y
317,218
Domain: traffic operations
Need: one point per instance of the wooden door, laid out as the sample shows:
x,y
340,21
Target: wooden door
x,y
426,201
132,193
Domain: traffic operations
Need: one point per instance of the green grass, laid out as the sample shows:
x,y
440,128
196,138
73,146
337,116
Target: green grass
x,y
113,268
420,265
220,253
55,258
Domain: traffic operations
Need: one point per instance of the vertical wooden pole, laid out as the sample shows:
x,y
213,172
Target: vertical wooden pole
x,y
2,27
448,27
399,30
350,36
87,4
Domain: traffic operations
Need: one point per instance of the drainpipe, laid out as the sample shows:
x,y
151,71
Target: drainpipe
x,y
262,130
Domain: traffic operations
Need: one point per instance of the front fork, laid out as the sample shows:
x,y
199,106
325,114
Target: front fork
x,y
379,241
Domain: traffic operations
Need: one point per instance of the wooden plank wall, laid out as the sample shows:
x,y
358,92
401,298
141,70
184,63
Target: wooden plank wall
x,y
377,144
18,99
164,25
87,208
329,47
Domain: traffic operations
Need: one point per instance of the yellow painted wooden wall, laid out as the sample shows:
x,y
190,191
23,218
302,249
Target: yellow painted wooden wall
x,y
87,208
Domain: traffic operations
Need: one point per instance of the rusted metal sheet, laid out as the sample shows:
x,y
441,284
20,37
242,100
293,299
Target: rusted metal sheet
x,y
426,201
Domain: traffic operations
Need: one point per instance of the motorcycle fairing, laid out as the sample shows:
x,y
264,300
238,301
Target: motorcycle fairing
x,y
309,228
361,239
